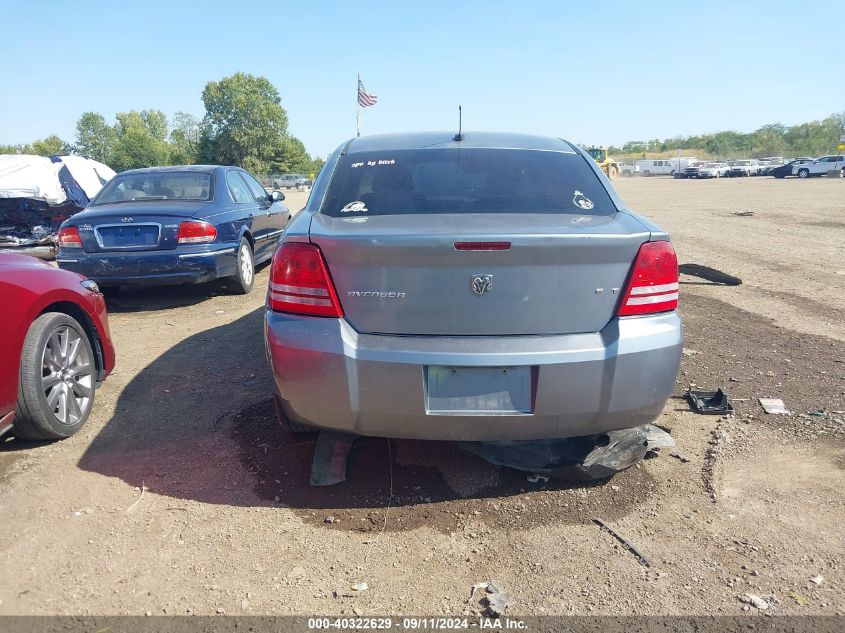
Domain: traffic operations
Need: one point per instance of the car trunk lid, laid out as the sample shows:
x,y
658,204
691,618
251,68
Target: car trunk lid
x,y
402,274
129,227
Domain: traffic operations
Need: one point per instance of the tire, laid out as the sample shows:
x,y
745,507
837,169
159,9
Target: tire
x,y
646,173
55,405
242,281
612,172
804,173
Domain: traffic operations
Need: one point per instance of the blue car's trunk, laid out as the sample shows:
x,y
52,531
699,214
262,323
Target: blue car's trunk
x,y
135,226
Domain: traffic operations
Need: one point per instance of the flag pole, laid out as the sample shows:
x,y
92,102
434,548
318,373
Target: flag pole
x,y
358,103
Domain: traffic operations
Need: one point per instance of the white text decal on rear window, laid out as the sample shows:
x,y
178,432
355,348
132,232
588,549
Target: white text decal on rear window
x,y
373,163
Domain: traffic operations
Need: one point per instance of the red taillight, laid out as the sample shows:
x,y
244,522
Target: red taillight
x,y
300,282
653,286
69,237
196,232
482,246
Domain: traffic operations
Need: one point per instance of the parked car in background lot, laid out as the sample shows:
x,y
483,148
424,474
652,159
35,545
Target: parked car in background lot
x,y
691,171
822,166
291,181
788,169
174,225
743,168
712,170
55,348
457,290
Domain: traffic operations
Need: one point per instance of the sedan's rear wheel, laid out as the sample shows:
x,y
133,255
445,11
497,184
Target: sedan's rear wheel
x,y
241,282
57,379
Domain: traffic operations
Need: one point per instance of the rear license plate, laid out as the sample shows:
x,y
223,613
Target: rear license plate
x,y
130,236
479,390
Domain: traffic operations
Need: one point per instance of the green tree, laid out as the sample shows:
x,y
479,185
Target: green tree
x,y
244,124
184,139
95,138
16,149
141,140
49,146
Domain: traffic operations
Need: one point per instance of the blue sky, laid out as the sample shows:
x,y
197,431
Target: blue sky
x,y
592,72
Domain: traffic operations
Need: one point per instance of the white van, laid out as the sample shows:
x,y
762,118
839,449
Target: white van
x,y
654,167
665,167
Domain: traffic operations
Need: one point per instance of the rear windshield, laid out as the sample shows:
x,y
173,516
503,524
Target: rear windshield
x,y
152,186
424,181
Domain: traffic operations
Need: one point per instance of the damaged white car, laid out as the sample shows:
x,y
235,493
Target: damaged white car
x,y
37,194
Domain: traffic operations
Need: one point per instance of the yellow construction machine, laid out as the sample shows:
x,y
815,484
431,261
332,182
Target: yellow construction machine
x,y
608,165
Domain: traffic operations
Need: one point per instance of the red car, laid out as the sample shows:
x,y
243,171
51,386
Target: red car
x,y
55,348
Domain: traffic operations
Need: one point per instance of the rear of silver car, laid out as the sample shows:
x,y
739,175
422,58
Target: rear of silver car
x,y
481,289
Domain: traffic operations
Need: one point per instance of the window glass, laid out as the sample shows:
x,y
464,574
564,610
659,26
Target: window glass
x,y
431,181
255,187
154,186
238,188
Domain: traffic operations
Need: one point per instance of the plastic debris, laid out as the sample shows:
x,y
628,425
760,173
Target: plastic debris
x,y
583,458
710,402
710,274
679,454
496,600
360,586
625,541
775,406
817,580
330,457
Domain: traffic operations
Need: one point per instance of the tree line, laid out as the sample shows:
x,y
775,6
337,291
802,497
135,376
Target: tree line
x,y
245,124
775,139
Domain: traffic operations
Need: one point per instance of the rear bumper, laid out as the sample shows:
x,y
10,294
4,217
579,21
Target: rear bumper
x,y
329,376
185,264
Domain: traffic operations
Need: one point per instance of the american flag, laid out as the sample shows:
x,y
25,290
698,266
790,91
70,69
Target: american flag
x,y
365,99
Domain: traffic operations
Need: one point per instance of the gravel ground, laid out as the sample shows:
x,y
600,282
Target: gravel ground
x,y
182,494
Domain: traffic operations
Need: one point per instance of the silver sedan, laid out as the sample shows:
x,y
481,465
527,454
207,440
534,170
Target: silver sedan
x,y
471,287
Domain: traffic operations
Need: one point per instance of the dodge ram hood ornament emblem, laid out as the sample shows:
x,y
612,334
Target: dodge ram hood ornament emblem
x,y
481,283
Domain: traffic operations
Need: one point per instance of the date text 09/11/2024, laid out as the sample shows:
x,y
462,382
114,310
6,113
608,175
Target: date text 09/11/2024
x,y
416,624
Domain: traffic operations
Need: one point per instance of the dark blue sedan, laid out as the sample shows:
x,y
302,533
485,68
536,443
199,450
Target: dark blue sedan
x,y
175,225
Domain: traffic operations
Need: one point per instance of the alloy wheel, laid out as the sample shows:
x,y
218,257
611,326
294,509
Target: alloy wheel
x,y
67,375
246,264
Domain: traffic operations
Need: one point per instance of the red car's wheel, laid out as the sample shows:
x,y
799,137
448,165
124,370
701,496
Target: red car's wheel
x,y
57,379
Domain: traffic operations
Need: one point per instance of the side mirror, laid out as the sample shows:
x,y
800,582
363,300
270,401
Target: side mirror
x,y
277,196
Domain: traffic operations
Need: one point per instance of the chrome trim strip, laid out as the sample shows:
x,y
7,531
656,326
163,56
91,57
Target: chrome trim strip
x,y
203,254
67,261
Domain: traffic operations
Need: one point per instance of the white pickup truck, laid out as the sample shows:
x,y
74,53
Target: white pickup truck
x,y
822,166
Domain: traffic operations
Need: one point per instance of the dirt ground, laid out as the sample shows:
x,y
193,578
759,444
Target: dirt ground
x,y
183,495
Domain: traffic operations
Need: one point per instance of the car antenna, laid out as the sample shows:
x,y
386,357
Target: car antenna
x,y
459,136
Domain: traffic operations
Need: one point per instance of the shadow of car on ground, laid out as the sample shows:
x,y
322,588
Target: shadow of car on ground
x,y
198,423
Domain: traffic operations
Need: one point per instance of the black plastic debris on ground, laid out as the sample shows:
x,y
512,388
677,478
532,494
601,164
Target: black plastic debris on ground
x,y
583,458
710,274
710,402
